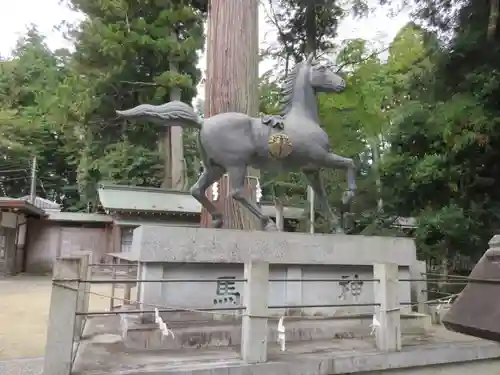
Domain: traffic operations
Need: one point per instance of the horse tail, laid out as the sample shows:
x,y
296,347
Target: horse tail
x,y
175,113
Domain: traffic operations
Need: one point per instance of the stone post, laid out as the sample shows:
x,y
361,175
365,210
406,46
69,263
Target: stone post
x,y
280,217
388,314
254,321
418,271
62,323
113,284
127,294
294,289
138,295
150,292
83,292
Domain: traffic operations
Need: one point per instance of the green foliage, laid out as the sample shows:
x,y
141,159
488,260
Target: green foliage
x,y
59,106
28,85
127,164
304,26
127,53
440,165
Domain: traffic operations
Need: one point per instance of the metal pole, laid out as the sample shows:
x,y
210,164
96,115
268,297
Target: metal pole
x,y
33,181
310,198
378,181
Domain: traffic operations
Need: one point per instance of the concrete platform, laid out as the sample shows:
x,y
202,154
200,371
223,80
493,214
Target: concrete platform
x,y
205,267
103,352
207,245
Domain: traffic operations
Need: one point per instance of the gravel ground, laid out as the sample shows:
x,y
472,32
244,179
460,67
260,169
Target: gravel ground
x,y
28,366
24,309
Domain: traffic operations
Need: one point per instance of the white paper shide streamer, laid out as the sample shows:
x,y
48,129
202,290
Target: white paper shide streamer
x,y
445,302
281,334
124,325
165,331
375,324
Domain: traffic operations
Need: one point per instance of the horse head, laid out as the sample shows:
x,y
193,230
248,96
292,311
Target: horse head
x,y
323,78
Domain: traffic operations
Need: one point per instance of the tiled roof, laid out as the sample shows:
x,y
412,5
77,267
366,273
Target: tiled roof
x,y
43,203
146,199
21,205
80,217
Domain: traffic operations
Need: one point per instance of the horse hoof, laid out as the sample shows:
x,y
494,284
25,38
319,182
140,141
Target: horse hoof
x,y
217,222
337,230
347,197
264,222
270,227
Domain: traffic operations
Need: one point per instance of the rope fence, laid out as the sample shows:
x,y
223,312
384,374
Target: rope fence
x,y
129,282
221,311
73,280
133,281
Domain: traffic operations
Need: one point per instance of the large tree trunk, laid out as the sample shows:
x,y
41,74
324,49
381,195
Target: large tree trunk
x,y
173,150
493,19
232,86
177,146
165,151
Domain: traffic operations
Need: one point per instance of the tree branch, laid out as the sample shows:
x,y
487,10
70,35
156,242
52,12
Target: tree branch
x,y
363,59
274,20
135,83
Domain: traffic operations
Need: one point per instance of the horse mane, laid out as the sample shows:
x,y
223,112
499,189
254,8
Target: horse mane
x,y
287,90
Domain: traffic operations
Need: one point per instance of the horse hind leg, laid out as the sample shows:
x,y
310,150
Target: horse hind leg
x,y
316,183
209,175
237,177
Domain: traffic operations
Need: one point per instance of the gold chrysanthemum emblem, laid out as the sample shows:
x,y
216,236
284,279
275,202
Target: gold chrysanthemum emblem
x,y
280,145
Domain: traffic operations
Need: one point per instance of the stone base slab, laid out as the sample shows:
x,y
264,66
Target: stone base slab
x,y
212,334
204,245
342,357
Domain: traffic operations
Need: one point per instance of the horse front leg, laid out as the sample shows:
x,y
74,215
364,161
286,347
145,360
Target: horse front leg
x,y
335,161
314,179
237,179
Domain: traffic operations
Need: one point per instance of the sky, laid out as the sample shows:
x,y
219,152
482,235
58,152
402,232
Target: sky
x,y
15,16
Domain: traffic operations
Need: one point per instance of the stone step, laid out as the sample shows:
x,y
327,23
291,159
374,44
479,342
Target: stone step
x,y
212,334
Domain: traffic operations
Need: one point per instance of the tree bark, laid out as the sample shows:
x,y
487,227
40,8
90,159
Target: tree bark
x,y
173,150
232,86
176,146
493,19
165,152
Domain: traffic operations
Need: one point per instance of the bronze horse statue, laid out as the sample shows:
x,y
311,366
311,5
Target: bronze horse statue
x,y
231,142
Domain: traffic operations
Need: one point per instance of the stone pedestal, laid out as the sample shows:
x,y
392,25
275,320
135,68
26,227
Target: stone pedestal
x,y
218,255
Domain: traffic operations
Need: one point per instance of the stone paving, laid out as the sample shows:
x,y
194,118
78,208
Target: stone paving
x,y
28,366
103,350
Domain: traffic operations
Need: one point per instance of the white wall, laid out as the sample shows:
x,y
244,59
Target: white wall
x,y
193,295
9,220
